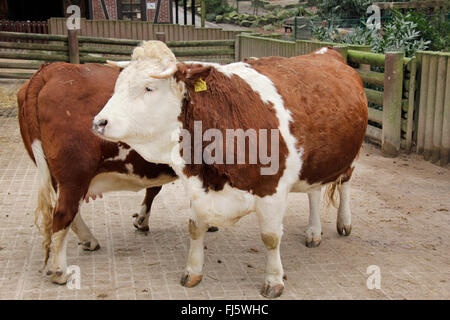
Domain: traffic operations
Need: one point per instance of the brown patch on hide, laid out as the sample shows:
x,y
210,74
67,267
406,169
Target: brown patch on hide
x,y
270,240
329,109
228,103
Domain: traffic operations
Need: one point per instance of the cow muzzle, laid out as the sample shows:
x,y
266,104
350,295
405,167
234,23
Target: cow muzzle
x,y
99,126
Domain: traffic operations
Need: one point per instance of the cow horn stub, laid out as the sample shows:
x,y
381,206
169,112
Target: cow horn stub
x,y
120,64
170,71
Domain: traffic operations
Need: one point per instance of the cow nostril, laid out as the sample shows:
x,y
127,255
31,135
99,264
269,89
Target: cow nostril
x,y
102,123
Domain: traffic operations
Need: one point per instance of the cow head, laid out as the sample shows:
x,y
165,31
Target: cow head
x,y
143,111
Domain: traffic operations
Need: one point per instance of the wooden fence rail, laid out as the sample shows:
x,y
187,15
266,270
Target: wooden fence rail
x,y
23,26
399,117
85,49
433,116
139,30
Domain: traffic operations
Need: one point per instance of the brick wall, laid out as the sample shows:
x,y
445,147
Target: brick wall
x,y
111,5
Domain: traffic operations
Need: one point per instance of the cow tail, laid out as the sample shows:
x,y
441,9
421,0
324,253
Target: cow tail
x,y
43,215
330,193
46,199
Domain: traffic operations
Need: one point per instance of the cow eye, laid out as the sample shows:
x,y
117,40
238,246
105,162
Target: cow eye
x,y
148,89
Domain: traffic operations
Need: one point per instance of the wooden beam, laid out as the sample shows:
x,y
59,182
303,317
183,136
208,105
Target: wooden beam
x,y
392,104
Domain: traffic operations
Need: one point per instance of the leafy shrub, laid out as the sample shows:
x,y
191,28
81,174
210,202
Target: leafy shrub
x,y
325,33
211,5
210,16
344,8
399,34
218,7
434,29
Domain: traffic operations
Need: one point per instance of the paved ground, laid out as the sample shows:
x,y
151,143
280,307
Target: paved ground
x,y
401,223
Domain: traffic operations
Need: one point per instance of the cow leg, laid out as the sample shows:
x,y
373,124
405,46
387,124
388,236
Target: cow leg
x,y
140,221
314,231
65,211
270,214
193,273
344,216
87,240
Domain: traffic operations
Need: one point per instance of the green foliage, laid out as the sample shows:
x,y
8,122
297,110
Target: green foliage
x,y
302,11
434,29
344,8
274,18
401,33
325,33
211,5
269,27
210,16
218,7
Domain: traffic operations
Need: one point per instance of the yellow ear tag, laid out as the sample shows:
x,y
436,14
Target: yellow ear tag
x,y
200,85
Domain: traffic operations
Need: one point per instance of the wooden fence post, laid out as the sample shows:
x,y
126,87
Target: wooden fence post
x,y
203,6
342,49
74,52
161,36
431,100
237,48
411,104
392,104
439,108
445,144
365,67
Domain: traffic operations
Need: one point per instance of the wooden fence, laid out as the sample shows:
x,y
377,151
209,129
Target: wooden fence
x,y
139,30
396,117
433,115
23,26
390,111
255,46
82,50
400,115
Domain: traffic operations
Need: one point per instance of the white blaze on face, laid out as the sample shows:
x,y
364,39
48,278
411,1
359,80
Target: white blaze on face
x,y
144,108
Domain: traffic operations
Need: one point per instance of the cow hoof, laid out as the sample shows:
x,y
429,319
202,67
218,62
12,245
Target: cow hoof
x,y
189,281
90,245
272,291
58,276
138,223
343,230
313,237
141,228
213,229
313,243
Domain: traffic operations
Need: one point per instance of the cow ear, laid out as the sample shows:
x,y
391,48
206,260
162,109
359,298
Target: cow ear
x,y
196,73
191,73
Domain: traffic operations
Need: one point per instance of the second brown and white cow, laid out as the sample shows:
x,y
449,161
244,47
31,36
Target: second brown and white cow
x,y
314,107
56,108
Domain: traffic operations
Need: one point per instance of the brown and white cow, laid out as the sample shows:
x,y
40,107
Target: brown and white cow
x,y
313,105
56,108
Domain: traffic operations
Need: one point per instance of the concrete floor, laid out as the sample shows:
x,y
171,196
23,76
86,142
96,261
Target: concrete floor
x,y
401,223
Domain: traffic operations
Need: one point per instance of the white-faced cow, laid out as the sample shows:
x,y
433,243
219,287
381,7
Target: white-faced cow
x,y
314,107
56,108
